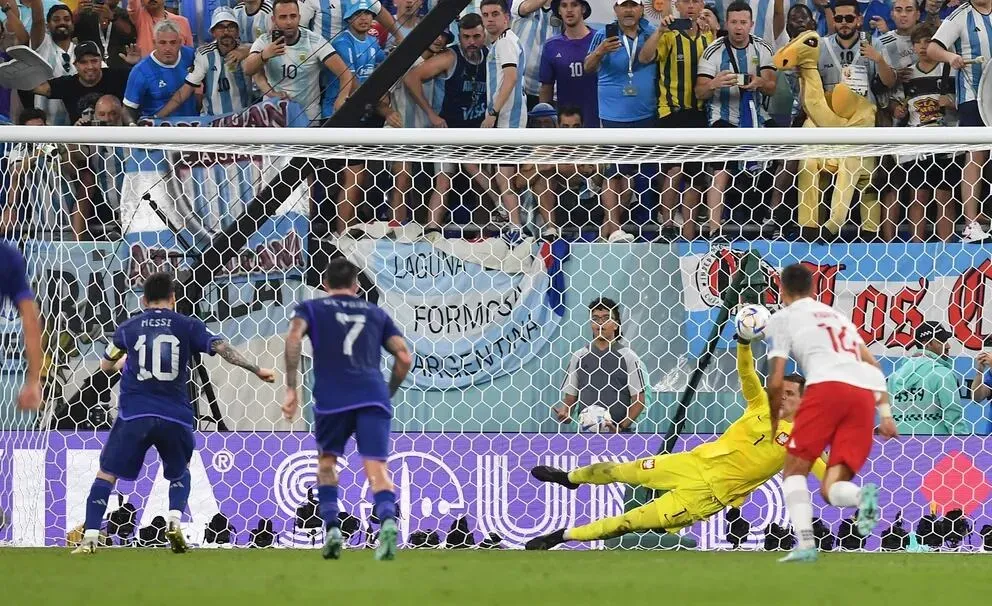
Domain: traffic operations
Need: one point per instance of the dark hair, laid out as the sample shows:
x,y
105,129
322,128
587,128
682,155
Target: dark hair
x,y
278,2
802,7
470,21
340,273
797,280
739,6
570,110
852,3
607,304
922,31
798,380
159,286
31,113
499,3
55,9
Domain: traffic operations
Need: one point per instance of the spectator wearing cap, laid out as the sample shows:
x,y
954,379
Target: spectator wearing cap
x,y
534,22
562,74
627,89
217,67
167,65
90,77
924,388
146,14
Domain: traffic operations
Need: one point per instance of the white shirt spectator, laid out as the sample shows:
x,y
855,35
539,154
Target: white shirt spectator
x,y
839,64
533,30
507,51
966,32
297,72
726,102
63,64
898,52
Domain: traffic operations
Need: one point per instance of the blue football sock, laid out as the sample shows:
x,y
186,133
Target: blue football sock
x,y
327,497
179,492
96,503
385,505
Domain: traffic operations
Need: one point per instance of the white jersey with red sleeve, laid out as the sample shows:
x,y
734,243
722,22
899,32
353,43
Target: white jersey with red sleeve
x,y
826,345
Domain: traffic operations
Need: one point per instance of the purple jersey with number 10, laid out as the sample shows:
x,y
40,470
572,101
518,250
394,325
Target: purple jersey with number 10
x,y
562,65
347,334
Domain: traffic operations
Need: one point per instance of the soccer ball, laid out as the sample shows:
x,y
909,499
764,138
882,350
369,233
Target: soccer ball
x,y
751,321
592,419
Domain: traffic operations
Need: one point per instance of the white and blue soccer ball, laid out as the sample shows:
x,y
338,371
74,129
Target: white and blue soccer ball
x,y
593,419
751,321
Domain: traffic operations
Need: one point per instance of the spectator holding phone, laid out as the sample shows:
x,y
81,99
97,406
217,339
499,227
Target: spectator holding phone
x,y
628,95
106,24
735,75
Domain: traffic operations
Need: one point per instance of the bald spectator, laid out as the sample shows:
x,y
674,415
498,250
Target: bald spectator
x,y
108,111
146,14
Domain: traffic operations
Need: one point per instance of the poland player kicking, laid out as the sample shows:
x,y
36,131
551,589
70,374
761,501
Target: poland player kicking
x,y
844,388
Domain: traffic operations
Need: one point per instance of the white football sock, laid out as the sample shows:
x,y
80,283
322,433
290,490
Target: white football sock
x,y
799,504
175,517
91,534
844,494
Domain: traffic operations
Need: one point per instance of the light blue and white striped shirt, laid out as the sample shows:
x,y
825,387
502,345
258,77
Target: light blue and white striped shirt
x,y
251,26
225,89
533,30
505,52
727,103
968,33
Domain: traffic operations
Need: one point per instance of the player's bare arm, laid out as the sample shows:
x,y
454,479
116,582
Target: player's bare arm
x,y
231,355
402,362
776,374
30,396
294,351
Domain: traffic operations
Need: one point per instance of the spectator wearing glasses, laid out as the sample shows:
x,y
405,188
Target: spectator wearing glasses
x,y
56,47
845,57
562,74
90,77
217,67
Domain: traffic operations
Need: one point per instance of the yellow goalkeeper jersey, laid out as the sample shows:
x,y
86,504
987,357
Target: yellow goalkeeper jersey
x,y
747,455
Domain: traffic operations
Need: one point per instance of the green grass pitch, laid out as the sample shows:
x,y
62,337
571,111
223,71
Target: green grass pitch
x,y
139,577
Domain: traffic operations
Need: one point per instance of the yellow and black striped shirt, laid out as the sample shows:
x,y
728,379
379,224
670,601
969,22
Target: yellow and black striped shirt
x,y
678,60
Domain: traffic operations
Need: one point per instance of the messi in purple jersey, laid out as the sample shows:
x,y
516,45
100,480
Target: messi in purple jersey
x,y
350,396
154,408
562,69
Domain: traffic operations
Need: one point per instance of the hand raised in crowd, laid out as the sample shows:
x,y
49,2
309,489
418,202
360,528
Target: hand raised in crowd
x,y
879,25
870,52
274,49
131,54
983,360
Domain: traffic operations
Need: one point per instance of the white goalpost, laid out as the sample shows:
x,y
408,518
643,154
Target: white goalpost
x,y
487,257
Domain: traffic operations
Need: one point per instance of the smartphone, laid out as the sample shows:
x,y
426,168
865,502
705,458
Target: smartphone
x,y
680,25
612,30
743,79
277,35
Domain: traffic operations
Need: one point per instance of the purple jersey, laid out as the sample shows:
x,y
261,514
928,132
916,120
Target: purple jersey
x,y
13,277
347,335
562,65
155,381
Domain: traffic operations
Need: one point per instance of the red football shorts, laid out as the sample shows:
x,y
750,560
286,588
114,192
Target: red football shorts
x,y
835,414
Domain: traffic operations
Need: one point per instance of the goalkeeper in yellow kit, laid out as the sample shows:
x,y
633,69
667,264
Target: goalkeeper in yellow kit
x,y
700,482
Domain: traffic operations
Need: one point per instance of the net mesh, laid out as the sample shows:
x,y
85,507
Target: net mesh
x,y
488,257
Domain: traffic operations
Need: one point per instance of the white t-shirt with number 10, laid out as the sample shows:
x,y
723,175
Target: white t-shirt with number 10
x,y
297,72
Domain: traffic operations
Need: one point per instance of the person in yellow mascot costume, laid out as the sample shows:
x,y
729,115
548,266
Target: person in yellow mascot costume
x,y
841,108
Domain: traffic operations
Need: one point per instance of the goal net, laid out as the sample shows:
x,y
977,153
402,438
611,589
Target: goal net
x,y
488,249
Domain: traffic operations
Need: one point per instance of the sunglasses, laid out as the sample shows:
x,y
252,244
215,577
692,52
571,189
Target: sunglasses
x,y
845,18
66,64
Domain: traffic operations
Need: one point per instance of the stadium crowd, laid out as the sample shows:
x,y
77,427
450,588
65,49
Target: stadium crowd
x,y
536,63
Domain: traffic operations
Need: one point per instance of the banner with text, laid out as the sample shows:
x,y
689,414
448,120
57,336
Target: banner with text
x,y
248,476
468,323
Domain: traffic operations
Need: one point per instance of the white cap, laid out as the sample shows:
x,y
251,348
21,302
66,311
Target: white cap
x,y
220,16
619,2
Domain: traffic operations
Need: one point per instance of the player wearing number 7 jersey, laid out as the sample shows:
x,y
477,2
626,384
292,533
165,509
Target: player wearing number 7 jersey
x,y
154,409
844,386
350,396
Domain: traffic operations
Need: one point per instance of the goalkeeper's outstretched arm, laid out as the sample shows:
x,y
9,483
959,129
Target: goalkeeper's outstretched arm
x,y
750,382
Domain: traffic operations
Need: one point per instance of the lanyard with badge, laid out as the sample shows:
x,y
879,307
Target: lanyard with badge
x,y
630,90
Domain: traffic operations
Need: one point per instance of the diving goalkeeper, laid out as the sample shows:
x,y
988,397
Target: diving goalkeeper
x,y
700,482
